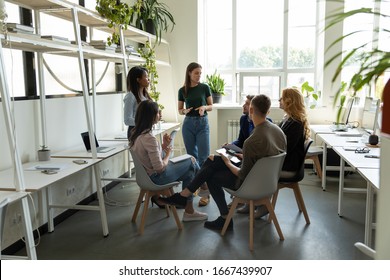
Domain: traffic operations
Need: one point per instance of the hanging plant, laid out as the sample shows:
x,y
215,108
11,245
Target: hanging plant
x,y
148,53
118,15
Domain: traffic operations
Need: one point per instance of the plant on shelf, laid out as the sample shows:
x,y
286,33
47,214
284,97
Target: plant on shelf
x,y
148,53
152,16
372,63
217,86
118,15
308,92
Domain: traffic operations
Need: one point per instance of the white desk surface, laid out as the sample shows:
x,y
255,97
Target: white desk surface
x,y
80,152
371,175
12,195
327,129
357,160
122,136
333,140
36,180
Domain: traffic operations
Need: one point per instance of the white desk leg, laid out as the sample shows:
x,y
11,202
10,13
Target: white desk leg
x,y
341,187
50,218
368,225
324,157
100,196
28,230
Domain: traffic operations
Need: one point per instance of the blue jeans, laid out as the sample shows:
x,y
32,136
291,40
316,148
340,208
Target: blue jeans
x,y
196,137
180,171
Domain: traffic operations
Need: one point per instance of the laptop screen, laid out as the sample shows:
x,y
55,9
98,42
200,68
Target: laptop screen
x,y
87,143
347,111
370,114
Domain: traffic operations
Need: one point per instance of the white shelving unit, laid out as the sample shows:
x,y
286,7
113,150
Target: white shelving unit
x,y
79,16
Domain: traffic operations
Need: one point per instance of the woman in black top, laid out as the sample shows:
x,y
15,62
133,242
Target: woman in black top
x,y
296,128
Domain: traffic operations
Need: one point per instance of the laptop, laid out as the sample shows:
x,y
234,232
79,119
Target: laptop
x,y
87,143
343,126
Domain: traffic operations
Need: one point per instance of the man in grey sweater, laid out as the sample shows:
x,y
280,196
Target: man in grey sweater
x,y
267,139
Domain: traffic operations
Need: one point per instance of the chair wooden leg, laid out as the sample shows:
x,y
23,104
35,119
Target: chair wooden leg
x,y
176,216
138,205
230,215
144,213
317,166
273,218
273,203
251,222
301,202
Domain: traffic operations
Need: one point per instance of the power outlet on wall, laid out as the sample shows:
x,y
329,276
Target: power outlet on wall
x,y
106,171
70,191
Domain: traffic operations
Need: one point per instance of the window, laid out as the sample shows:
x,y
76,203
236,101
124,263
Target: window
x,y
61,73
260,46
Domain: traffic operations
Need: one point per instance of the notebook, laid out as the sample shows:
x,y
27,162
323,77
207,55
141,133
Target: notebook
x,y
87,143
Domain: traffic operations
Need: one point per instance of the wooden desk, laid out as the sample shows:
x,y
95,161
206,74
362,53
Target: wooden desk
x,y
36,181
372,177
13,197
355,160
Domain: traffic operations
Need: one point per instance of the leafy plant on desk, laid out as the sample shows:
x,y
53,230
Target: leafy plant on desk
x,y
308,92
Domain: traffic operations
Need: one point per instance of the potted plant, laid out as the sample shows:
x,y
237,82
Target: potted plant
x,y
118,15
148,53
308,94
372,63
44,153
152,16
217,86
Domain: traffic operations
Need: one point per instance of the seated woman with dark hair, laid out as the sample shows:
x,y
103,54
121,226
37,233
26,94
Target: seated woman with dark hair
x,y
155,156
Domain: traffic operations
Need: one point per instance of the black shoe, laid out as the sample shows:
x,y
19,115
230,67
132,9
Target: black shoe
x,y
218,224
175,199
155,201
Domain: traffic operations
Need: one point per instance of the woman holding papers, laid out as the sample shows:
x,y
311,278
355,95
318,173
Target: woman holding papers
x,y
155,156
137,87
196,97
296,128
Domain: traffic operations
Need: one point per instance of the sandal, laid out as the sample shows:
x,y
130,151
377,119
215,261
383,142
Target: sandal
x,y
203,201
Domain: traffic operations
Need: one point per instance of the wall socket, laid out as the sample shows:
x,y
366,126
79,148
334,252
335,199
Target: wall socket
x,y
17,219
70,191
106,171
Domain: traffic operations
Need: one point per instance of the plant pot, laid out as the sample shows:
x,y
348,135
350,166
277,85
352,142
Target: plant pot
x,y
216,97
43,155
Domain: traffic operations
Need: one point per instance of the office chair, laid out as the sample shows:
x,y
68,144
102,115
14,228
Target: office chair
x,y
312,154
257,189
293,183
366,251
149,189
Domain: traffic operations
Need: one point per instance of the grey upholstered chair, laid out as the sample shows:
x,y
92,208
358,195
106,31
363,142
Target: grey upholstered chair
x,y
149,189
257,189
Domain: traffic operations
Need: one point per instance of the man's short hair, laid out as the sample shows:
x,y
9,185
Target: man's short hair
x,y
261,104
250,96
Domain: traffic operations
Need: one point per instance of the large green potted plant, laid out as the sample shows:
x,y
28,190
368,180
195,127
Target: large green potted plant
x,y
217,86
152,16
372,63
118,15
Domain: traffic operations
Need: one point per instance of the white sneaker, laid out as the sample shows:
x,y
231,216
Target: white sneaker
x,y
196,216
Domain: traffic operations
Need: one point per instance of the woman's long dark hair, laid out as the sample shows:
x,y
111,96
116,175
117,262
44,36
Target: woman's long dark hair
x,y
135,73
187,80
145,117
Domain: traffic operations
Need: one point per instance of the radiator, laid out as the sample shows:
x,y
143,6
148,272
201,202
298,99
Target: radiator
x,y
233,130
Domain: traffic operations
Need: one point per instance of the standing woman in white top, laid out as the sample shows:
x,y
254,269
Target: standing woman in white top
x,y
137,91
